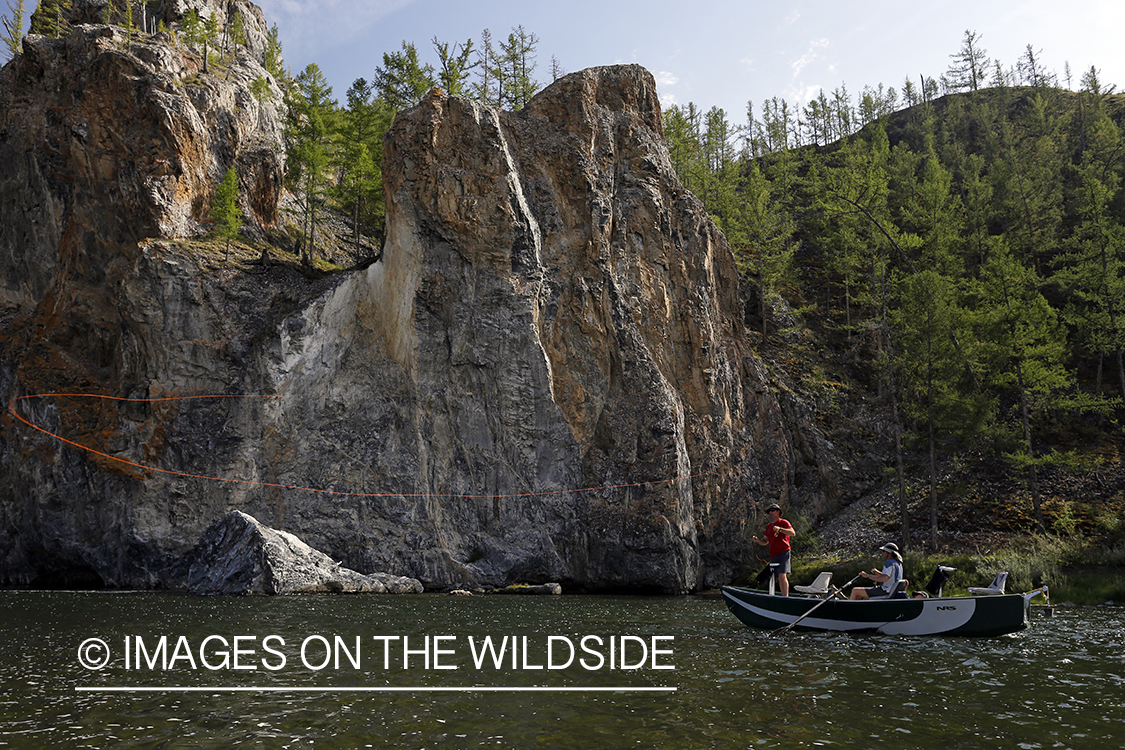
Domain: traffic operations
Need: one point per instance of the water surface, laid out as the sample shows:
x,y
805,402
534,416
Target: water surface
x,y
1059,684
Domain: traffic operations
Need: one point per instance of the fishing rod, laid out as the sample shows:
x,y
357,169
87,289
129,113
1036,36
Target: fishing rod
x,y
768,570
827,599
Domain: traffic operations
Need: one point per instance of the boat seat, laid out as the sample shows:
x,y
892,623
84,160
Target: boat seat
x,y
995,588
766,574
818,587
937,581
773,577
900,589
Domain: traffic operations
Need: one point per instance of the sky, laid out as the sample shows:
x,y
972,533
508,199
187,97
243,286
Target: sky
x,y
721,53
718,53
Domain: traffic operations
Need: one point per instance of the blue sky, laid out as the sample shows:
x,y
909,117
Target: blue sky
x,y
721,53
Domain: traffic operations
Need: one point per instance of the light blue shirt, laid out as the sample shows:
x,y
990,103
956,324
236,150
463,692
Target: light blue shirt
x,y
892,568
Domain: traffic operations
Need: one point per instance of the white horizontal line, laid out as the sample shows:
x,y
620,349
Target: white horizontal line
x,y
296,689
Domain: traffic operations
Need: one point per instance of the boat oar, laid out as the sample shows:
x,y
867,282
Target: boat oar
x,y
827,599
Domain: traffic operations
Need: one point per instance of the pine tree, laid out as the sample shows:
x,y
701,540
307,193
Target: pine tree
x,y
1031,71
855,200
272,60
210,38
934,214
976,191
818,120
777,124
860,191
13,29
401,80
1093,271
200,33
761,234
1027,184
362,126
485,90
50,18
843,115
225,216
192,28
720,173
1025,343
683,132
970,65
1091,82
307,131
517,63
940,393
455,66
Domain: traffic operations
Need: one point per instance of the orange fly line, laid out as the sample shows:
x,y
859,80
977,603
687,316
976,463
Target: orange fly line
x,y
255,483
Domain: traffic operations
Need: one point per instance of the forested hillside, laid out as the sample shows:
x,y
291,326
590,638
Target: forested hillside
x,y
962,257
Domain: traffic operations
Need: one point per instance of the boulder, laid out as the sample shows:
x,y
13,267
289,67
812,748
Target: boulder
x,y
239,555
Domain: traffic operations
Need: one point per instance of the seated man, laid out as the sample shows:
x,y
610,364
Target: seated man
x,y
887,578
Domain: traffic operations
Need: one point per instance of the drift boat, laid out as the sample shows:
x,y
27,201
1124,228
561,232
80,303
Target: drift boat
x,y
988,615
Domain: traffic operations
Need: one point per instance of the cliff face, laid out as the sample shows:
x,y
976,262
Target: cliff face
x,y
545,378
575,324
107,139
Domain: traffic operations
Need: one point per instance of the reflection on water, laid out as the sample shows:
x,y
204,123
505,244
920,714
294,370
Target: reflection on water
x,y
1060,684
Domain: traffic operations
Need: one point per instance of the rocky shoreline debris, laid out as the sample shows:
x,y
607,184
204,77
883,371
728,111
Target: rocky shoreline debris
x,y
527,589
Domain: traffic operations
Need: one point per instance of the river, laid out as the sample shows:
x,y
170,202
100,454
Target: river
x,y
159,670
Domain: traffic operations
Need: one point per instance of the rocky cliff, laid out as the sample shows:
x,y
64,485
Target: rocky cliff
x,y
109,137
545,378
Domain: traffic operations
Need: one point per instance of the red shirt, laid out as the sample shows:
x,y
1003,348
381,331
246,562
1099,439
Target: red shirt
x,y
778,542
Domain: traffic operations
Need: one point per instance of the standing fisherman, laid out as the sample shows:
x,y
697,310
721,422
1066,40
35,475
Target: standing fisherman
x,y
778,533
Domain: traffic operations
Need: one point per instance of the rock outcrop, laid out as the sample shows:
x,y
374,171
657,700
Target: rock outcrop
x,y
108,138
545,378
238,555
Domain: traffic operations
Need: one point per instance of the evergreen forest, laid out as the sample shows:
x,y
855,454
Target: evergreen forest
x,y
966,247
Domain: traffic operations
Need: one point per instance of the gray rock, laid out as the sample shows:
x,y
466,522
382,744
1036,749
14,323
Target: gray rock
x,y
239,555
545,378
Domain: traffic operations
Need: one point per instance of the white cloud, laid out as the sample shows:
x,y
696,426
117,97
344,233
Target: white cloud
x,y
810,56
665,79
312,28
801,96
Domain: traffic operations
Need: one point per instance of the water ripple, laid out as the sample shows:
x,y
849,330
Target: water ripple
x,y
1057,685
